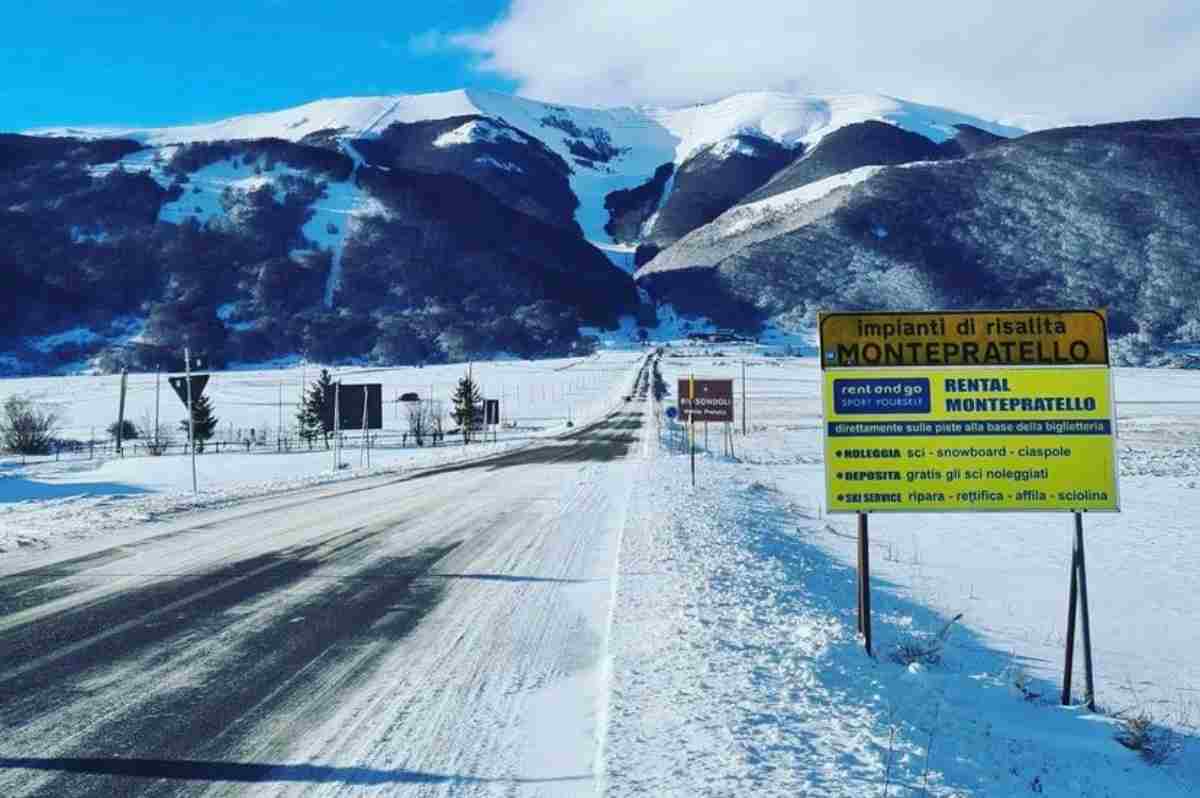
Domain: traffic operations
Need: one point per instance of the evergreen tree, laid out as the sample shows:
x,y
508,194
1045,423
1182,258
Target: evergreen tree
x,y
308,426
204,421
315,416
467,409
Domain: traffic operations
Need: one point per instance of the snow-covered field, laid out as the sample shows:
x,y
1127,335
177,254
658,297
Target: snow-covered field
x,y
47,499
737,668
731,664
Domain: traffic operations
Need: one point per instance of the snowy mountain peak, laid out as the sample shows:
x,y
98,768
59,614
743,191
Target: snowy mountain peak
x,y
786,118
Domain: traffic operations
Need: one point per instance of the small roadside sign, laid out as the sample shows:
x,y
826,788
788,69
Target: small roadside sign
x,y
180,386
713,400
491,411
672,412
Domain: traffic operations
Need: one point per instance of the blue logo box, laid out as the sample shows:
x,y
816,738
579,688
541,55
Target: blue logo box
x,y
881,396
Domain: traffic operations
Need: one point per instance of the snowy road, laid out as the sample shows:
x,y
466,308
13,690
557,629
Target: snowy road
x,y
424,636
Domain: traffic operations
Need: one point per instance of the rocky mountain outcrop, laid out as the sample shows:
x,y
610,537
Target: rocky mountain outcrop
x,y
713,180
862,144
630,208
516,168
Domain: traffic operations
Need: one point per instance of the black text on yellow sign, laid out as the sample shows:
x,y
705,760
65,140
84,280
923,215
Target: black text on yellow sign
x,y
969,439
991,338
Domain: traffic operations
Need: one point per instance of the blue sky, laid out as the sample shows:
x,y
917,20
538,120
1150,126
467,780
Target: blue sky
x,y
157,63
1026,62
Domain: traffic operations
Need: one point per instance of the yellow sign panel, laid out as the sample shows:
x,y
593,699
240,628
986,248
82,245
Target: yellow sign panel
x,y
969,439
991,338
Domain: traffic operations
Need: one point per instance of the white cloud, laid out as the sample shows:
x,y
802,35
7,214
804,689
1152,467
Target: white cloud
x,y
429,43
1037,61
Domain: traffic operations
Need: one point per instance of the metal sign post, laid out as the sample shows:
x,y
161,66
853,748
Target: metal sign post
x,y
187,369
364,449
1078,591
864,582
692,423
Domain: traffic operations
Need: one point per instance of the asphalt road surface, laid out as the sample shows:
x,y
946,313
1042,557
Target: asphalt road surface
x,y
436,635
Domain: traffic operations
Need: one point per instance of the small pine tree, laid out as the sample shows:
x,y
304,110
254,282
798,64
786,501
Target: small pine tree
x,y
203,419
466,406
315,416
127,429
308,422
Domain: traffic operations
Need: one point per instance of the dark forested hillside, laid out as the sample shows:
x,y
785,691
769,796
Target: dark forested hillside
x,y
212,244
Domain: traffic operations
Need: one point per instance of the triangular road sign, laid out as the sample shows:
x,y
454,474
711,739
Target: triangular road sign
x,y
180,386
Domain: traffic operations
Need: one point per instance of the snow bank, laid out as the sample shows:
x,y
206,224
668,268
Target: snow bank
x,y
737,667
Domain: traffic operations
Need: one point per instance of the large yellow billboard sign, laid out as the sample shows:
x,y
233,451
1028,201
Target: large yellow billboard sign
x,y
969,439
992,338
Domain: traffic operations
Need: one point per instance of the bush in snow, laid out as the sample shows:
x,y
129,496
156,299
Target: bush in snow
x,y
926,651
26,428
1139,732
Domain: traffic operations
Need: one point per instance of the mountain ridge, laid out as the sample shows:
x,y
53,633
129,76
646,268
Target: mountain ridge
x,y
425,227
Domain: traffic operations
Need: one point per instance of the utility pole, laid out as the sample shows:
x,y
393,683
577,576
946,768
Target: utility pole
x,y
337,460
743,398
364,451
279,427
121,414
157,388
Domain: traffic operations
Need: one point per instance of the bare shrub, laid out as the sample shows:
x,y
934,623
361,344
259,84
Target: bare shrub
x,y
157,440
1138,732
420,421
927,651
26,428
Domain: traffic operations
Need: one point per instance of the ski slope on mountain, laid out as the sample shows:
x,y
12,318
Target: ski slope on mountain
x,y
637,139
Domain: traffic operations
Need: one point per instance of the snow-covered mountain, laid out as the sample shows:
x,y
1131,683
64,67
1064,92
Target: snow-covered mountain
x,y
1101,216
607,149
402,227
398,228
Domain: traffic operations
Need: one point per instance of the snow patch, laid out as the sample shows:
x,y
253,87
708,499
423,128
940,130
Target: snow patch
x,y
76,336
476,131
79,235
742,217
734,146
486,160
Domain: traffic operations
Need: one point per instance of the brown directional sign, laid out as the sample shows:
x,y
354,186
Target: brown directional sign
x,y
976,338
180,386
713,400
